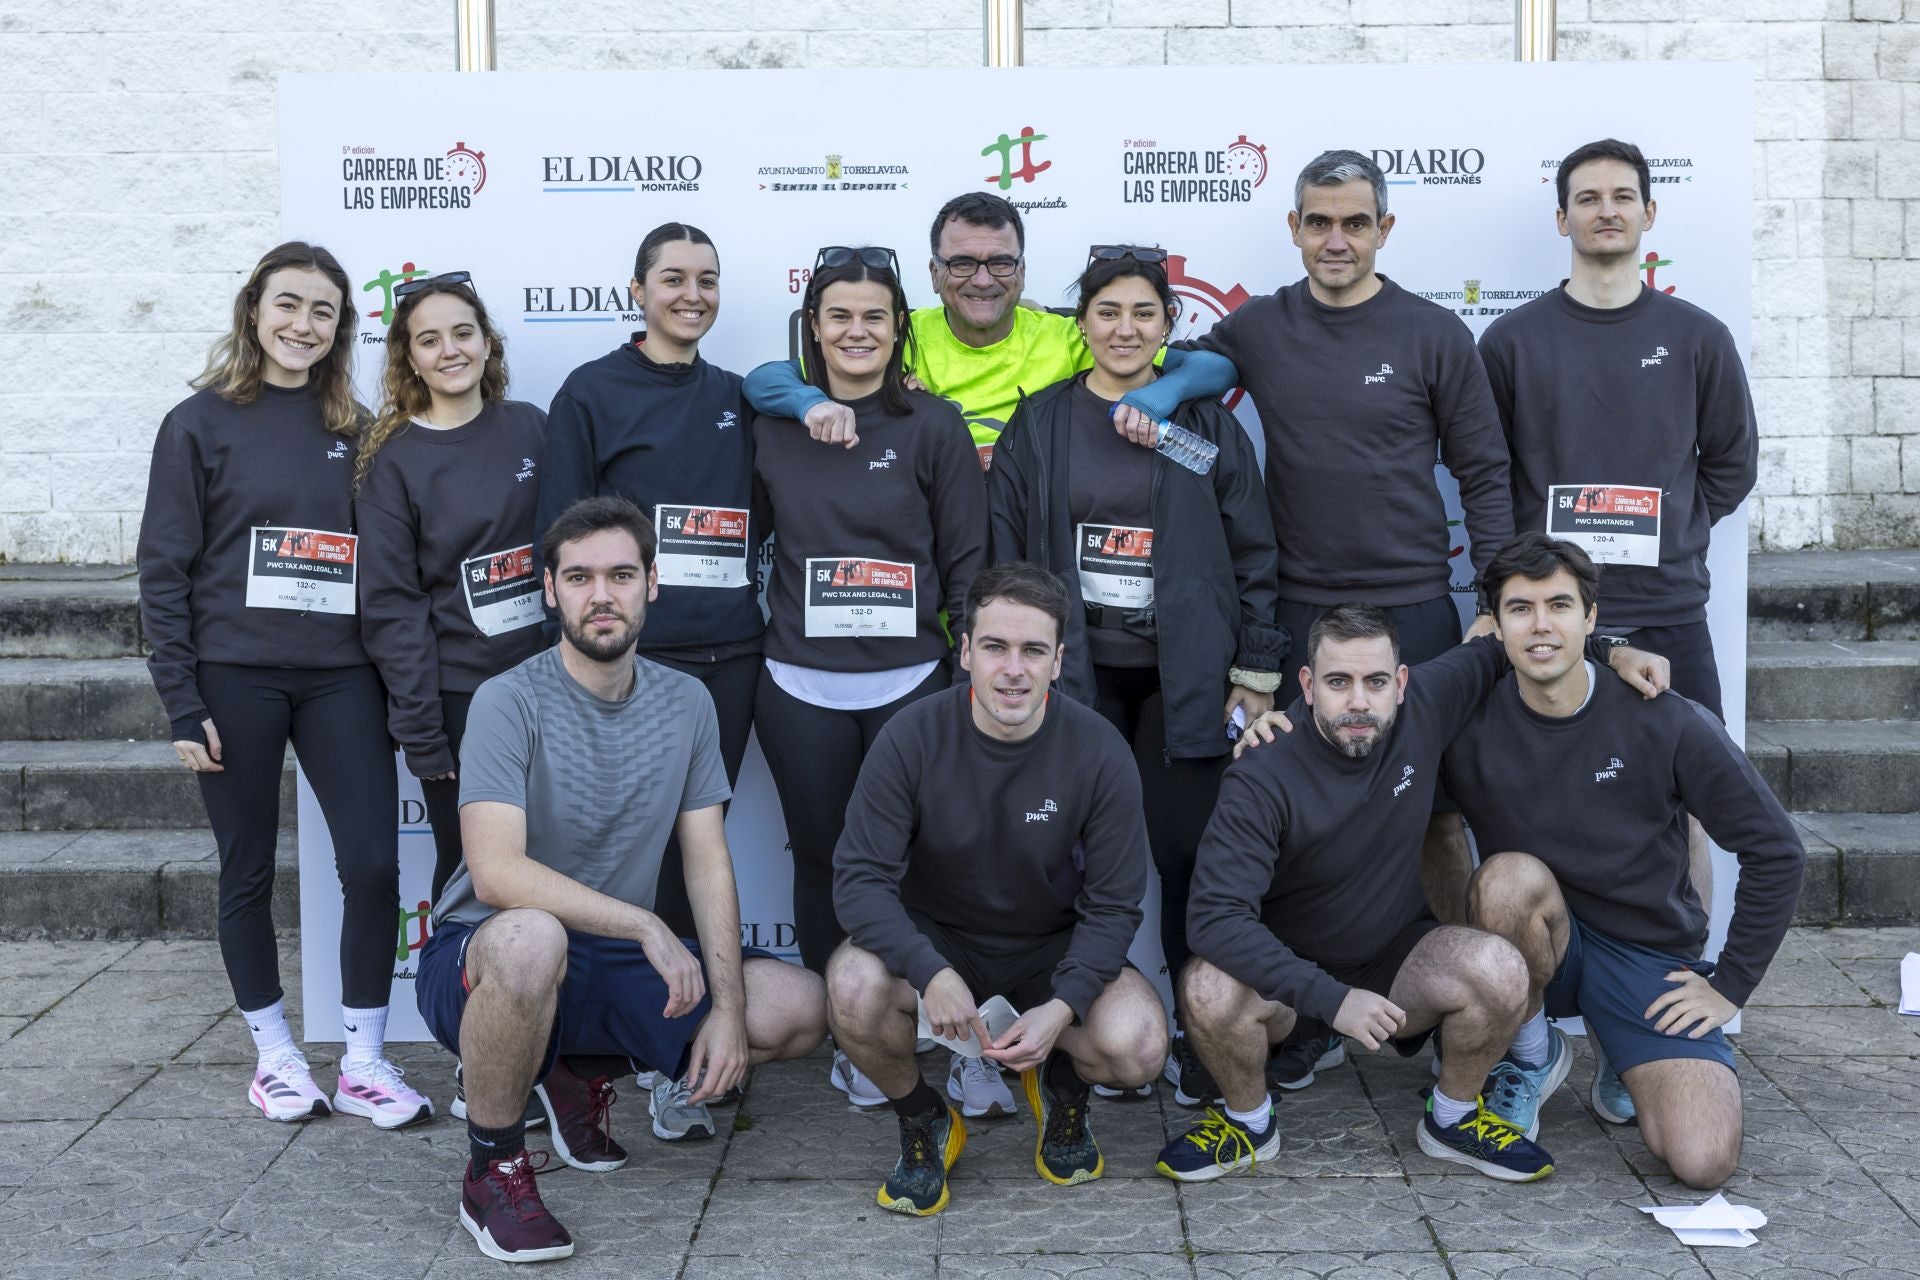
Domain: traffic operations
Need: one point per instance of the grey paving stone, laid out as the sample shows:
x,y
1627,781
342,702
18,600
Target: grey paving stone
x,y
114,994
1832,1032
9,1025
896,1267
279,1225
1843,1084
1576,1211
190,1092
793,1124
1880,1141
822,1219
1879,978
35,975
1267,1213
61,1093
1319,1266
1153,1266
1805,943
1807,982
157,955
1845,1226
114,1043
28,848
1789,1150
1683,1265
26,1145
1347,1143
1026,1215
461,1259
1890,942
1130,1137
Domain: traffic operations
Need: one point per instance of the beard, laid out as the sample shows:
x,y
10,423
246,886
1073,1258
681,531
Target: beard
x,y
1359,748
608,647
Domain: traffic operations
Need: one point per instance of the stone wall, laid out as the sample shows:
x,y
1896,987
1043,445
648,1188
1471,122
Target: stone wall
x,y
137,179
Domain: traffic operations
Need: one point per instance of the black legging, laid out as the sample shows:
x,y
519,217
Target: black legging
x,y
337,721
731,684
814,754
1178,795
443,797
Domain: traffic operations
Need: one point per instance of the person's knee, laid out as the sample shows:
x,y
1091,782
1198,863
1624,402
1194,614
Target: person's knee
x,y
1508,888
520,953
797,1002
1211,998
1496,974
1131,1041
1701,1162
857,985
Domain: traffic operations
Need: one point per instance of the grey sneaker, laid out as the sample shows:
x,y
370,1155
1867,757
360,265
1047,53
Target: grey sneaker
x,y
976,1085
674,1118
853,1082
535,1117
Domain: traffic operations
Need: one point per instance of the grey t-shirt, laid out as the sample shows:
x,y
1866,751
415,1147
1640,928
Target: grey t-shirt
x,y
601,782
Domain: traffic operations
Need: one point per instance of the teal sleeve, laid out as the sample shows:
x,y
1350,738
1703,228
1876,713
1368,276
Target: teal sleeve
x,y
1186,375
777,390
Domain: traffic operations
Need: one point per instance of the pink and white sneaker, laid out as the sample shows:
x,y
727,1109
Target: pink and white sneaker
x,y
378,1092
284,1089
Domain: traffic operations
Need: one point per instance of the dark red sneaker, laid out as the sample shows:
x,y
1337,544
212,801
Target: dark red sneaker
x,y
502,1211
580,1115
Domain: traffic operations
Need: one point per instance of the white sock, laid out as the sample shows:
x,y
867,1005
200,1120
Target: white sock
x,y
1448,1113
1257,1120
1530,1041
366,1036
271,1035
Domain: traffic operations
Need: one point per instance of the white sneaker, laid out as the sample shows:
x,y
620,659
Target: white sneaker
x,y
284,1089
1114,1093
853,1082
976,1085
379,1092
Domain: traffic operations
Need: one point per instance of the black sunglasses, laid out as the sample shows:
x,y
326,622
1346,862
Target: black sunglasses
x,y
418,283
1115,252
872,255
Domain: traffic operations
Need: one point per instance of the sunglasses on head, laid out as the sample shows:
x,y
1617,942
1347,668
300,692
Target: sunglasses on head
x,y
418,283
1115,252
872,255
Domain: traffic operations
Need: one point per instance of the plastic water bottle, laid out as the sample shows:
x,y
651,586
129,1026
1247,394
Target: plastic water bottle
x,y
1189,450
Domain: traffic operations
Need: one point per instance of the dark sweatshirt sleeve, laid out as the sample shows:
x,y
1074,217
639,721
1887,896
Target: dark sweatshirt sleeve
x,y
1719,786
1007,495
1231,874
569,472
1108,906
396,620
777,390
958,495
1474,446
172,536
871,859
1729,437
1241,492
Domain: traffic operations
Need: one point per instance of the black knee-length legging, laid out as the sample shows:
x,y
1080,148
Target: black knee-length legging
x,y
336,719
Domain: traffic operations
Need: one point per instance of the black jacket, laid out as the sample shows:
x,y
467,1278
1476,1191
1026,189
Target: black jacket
x,y
1215,566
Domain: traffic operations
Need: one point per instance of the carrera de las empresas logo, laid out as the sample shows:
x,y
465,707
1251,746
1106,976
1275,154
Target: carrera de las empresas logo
x,y
1156,172
379,178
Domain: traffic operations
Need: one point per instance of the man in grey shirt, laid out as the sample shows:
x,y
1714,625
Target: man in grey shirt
x,y
546,953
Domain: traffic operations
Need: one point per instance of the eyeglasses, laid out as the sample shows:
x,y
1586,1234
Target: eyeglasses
x,y
872,255
1115,252
964,268
418,283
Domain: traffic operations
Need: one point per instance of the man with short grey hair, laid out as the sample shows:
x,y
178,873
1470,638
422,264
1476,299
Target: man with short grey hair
x,y
1358,384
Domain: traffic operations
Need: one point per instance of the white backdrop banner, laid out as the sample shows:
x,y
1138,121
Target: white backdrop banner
x,y
543,185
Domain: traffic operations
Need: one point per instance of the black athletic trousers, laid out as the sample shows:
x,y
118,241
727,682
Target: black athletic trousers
x,y
337,721
731,683
443,798
1178,795
814,754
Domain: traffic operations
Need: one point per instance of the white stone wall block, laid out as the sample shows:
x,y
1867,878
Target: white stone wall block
x,y
120,364
33,243
1097,47
1762,10
93,482
1635,10
1294,13
1896,406
1411,12
1850,51
64,536
1878,347
69,422
1794,287
1823,348
1896,167
1900,52
1794,168
1793,51
1773,229
1468,42
1896,288
1041,14
1877,520
1879,228
1793,523
1876,465
25,482
1158,13
566,16
1909,466
1876,10
1910,347
1848,168
874,49
1770,353
1712,42
1602,42
1876,109
1825,227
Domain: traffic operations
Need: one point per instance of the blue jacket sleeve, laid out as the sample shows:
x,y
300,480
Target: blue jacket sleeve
x,y
777,390
1186,375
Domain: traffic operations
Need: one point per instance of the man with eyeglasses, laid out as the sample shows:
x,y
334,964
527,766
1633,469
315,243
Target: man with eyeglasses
x,y
979,348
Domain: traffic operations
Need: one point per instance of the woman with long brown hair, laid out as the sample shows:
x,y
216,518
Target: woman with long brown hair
x,y
248,564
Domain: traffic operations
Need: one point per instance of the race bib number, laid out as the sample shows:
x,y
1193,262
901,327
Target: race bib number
x,y
503,592
986,456
860,598
1613,523
1116,565
311,570
701,546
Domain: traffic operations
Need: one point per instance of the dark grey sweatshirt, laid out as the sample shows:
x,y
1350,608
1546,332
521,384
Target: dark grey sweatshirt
x,y
449,596
1009,839
1602,797
1651,394
219,471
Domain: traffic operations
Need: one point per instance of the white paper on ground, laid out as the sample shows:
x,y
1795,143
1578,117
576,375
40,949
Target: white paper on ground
x,y
1715,1223
1910,983
996,1013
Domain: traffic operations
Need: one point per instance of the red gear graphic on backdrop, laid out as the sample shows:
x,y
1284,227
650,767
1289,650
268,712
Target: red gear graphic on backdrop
x,y
1205,306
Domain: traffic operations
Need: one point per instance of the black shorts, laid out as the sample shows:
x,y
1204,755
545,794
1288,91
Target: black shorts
x,y
1021,969
1377,974
1688,649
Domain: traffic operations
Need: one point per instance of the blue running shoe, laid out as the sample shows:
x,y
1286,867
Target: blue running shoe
x,y
1609,1096
1216,1147
1515,1093
929,1144
1483,1141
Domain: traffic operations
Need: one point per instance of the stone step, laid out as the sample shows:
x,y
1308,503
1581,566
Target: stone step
x,y
1861,868
1833,679
1839,766
1834,595
124,884
44,699
69,611
84,786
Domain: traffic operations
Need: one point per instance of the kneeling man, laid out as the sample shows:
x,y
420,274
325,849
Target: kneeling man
x,y
577,766
995,845
1584,793
1307,900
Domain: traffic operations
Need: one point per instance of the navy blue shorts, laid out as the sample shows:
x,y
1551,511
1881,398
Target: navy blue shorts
x,y
610,1001
1610,983
1688,649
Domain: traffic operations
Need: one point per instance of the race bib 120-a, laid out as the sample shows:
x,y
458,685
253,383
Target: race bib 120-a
x,y
1613,523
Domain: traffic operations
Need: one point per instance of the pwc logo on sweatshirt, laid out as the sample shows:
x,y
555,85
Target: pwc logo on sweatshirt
x,y
1381,375
1611,772
1044,813
1406,779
